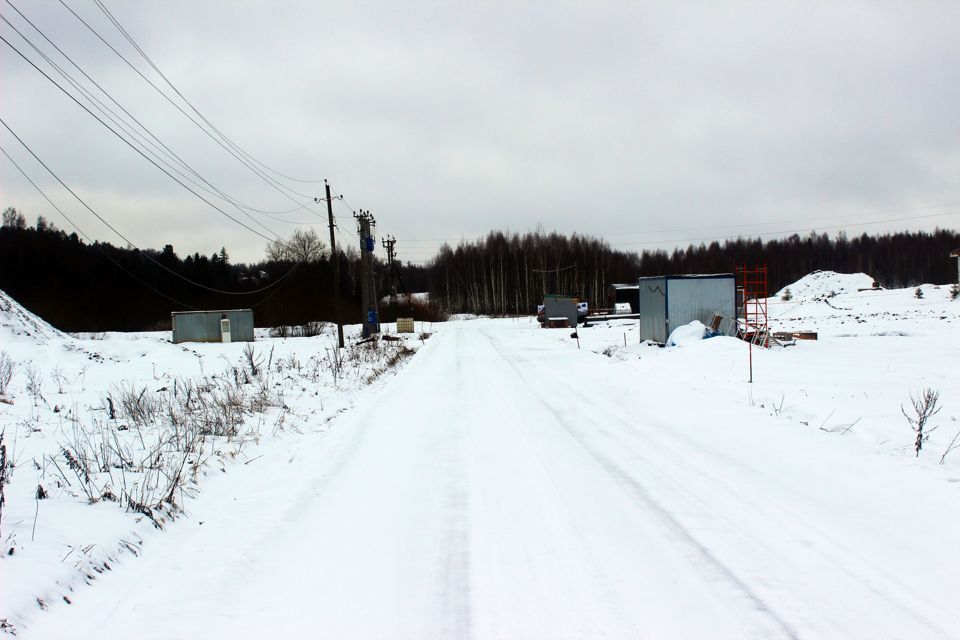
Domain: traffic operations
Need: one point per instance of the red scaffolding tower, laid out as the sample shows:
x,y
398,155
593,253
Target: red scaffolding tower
x,y
752,313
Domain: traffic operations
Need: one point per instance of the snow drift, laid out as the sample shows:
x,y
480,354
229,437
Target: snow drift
x,y
820,285
17,322
688,333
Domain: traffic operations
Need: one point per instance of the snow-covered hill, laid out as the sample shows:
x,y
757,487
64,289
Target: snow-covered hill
x,y
825,284
16,323
837,303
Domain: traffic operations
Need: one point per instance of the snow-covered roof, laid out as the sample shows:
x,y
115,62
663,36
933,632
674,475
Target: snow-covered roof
x,y
689,276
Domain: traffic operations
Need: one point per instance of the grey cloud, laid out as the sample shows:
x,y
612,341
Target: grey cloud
x,y
449,120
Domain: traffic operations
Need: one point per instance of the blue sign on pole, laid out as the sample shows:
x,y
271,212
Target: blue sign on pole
x,y
371,316
369,243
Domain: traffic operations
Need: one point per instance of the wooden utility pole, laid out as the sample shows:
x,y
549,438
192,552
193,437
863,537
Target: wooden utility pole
x,y
335,262
368,284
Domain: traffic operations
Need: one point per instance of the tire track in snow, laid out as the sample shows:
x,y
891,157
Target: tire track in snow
x,y
663,515
453,579
829,553
600,581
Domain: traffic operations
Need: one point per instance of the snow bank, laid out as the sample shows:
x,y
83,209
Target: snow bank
x,y
88,425
17,322
820,285
692,332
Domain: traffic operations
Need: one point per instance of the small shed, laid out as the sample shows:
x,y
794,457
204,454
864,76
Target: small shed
x,y
668,302
557,306
230,325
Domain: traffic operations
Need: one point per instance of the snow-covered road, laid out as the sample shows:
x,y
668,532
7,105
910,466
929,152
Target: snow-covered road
x,y
505,485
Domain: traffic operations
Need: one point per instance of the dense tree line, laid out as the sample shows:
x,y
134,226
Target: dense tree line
x,y
503,273
78,286
508,274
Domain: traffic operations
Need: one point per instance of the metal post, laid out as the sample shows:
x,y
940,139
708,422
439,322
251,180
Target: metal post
x,y
371,322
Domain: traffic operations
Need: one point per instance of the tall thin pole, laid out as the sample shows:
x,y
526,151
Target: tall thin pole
x,y
368,288
335,260
389,243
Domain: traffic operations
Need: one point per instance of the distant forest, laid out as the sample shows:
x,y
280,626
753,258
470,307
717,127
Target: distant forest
x,y
78,286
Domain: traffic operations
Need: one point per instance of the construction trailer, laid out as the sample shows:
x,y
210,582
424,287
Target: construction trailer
x,y
229,325
668,302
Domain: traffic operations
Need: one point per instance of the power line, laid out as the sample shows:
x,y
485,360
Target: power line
x,y
756,224
139,50
92,243
270,181
279,287
116,231
764,233
557,270
129,130
125,141
789,231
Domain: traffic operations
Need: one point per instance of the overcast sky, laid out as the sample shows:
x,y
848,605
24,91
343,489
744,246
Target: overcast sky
x,y
651,124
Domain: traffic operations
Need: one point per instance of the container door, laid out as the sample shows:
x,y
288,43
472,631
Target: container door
x,y
225,330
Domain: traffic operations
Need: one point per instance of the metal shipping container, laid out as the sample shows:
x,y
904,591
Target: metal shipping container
x,y
555,306
668,302
231,325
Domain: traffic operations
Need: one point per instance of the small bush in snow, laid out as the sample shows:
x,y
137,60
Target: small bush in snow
x,y
252,360
955,291
924,407
918,293
307,330
7,367
59,378
4,475
34,384
787,295
335,361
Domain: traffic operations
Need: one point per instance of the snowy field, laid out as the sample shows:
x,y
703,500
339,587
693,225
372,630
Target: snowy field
x,y
108,441
876,348
505,483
